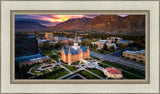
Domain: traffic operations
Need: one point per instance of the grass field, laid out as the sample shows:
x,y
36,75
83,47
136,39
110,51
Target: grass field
x,y
88,75
71,68
98,72
57,75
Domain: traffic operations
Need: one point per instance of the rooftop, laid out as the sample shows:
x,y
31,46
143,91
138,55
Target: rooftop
x,y
135,52
73,51
113,70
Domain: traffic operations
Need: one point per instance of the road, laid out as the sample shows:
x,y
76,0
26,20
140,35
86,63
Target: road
x,y
119,60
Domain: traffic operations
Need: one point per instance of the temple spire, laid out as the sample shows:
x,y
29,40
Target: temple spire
x,y
88,48
62,48
69,51
76,40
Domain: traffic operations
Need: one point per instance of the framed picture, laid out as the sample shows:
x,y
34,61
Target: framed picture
x,y
85,46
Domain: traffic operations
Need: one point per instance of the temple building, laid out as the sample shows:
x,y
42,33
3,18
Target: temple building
x,y
75,53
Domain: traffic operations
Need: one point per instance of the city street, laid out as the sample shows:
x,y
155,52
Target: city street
x,y
119,60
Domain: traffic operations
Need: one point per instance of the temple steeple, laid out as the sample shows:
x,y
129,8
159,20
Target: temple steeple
x,y
69,52
76,39
62,48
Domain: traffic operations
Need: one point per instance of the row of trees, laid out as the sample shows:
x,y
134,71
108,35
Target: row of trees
x,y
106,48
47,46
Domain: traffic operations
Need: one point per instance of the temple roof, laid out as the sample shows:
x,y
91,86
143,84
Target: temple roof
x,y
73,51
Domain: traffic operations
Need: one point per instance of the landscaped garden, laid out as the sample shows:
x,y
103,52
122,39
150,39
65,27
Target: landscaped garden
x,y
75,63
88,75
71,68
43,68
98,72
58,72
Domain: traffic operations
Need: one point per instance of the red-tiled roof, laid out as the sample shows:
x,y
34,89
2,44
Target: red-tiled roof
x,y
113,70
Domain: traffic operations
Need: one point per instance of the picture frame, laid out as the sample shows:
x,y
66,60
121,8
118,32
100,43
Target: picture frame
x,y
10,8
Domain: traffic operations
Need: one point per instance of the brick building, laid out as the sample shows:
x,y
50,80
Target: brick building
x,y
75,53
139,56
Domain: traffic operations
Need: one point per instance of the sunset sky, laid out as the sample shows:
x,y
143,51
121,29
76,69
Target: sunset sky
x,y
51,20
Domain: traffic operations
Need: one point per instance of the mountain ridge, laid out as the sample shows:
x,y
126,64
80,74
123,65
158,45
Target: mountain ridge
x,y
111,24
28,26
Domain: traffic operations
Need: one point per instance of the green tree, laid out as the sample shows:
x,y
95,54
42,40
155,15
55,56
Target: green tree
x,y
59,45
95,46
122,46
85,43
45,46
105,47
111,49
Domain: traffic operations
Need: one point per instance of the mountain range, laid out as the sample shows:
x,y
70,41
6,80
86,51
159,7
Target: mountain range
x,y
111,24
27,26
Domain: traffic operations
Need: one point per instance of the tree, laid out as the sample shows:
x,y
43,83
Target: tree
x,y
85,43
45,46
111,49
122,46
53,56
105,47
59,45
95,46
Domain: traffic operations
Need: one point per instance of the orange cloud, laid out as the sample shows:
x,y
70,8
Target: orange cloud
x,y
61,18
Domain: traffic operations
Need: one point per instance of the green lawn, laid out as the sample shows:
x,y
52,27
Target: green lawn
x,y
88,75
104,66
71,68
57,75
75,63
34,72
56,58
130,76
98,72
49,52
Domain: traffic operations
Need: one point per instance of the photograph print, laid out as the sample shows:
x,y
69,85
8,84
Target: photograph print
x,y
80,47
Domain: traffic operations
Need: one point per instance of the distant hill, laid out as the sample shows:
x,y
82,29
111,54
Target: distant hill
x,y
27,26
69,25
111,24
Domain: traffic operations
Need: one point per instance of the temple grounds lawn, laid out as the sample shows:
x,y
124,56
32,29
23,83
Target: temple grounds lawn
x,y
75,63
98,72
130,76
88,75
71,68
57,75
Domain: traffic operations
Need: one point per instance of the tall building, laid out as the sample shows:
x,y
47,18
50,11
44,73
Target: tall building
x,y
75,53
25,45
26,50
